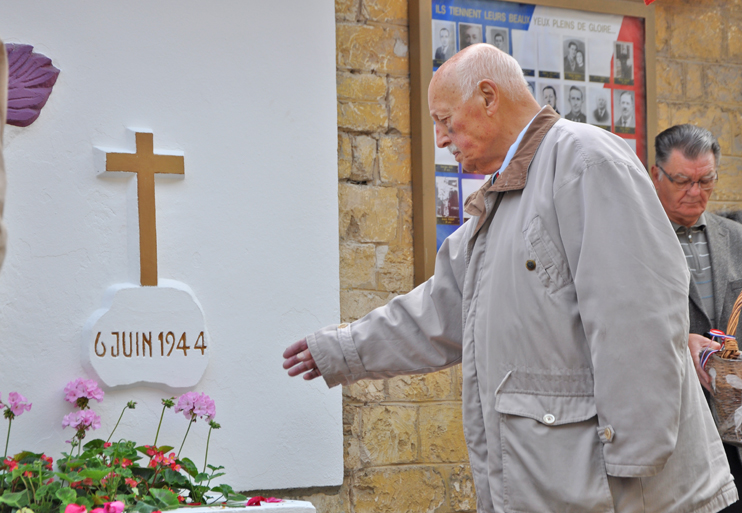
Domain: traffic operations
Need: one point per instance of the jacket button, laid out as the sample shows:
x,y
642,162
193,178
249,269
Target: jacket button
x,y
530,265
343,325
549,418
608,434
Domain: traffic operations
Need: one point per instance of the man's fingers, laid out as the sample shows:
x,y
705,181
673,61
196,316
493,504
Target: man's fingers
x,y
295,348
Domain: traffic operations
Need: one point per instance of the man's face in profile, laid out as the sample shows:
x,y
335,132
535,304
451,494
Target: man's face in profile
x,y
550,97
445,37
627,105
572,51
471,36
575,100
601,103
499,41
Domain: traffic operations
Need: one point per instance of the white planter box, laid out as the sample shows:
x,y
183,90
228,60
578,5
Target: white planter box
x,y
273,507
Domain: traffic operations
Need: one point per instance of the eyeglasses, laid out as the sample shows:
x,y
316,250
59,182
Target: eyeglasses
x,y
683,183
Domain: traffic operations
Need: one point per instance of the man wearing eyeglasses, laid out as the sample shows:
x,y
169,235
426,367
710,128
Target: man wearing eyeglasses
x,y
685,174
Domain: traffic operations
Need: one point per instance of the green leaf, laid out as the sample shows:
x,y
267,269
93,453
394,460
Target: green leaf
x,y
94,444
166,498
66,495
189,467
212,467
174,478
14,499
203,476
94,473
143,507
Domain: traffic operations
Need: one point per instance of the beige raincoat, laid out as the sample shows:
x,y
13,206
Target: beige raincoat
x,y
568,311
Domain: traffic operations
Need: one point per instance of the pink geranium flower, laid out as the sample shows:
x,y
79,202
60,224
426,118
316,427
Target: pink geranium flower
x,y
17,403
75,508
80,391
193,405
82,420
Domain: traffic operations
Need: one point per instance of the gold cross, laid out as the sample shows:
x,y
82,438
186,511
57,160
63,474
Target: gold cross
x,y
145,164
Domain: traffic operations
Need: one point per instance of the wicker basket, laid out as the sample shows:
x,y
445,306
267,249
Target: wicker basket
x,y
726,394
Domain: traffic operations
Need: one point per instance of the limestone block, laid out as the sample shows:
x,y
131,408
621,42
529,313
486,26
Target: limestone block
x,y
362,117
458,380
729,187
365,391
388,434
395,160
385,11
442,433
364,158
372,48
710,117
662,14
352,453
398,489
736,117
734,37
367,214
354,304
405,213
395,265
347,10
360,86
461,489
357,265
705,25
723,83
399,104
421,387
351,419
669,79
331,502
664,116
694,87
345,156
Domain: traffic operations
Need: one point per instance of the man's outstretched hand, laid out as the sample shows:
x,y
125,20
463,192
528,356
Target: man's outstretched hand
x,y
298,359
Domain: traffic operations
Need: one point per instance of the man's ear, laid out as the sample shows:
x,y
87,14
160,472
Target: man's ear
x,y
491,95
654,173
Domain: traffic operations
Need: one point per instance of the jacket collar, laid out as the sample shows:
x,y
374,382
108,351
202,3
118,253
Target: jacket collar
x,y
515,175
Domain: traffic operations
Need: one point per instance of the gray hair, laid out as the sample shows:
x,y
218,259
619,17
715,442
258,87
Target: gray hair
x,y
487,62
691,140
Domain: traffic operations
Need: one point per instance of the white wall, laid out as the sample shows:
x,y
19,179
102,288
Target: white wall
x,y
246,91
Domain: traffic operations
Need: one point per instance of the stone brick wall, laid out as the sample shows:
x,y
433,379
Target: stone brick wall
x,y
699,80
404,444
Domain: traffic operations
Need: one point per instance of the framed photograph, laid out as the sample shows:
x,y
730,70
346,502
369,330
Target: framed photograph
x,y
593,62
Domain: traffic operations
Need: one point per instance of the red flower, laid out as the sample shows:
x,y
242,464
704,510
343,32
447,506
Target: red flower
x,y
28,473
107,445
48,459
131,482
255,501
10,463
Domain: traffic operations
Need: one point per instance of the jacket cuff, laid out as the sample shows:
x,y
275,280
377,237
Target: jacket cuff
x,y
335,355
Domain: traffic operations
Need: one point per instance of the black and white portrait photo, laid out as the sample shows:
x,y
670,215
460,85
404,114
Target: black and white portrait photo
x,y
624,111
444,41
623,63
498,37
548,95
576,103
599,107
469,34
447,200
574,58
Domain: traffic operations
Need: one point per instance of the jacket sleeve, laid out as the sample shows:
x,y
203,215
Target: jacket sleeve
x,y
415,333
632,282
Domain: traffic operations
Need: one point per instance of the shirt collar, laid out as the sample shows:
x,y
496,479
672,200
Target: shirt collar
x,y
513,148
700,224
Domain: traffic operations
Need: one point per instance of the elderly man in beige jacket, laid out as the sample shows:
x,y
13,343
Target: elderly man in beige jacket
x,y
564,298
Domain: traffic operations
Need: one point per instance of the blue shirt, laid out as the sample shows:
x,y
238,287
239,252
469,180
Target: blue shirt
x,y
512,150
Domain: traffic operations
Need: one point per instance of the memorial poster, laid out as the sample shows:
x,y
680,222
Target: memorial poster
x,y
588,66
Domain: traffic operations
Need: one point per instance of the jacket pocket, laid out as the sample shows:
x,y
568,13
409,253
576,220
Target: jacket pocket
x,y
551,454
551,267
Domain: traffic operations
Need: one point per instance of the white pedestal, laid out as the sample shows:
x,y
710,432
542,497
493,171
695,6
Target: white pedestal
x,y
274,507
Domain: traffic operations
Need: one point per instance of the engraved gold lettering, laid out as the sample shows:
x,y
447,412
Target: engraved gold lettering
x,y
97,339
200,343
147,340
118,350
171,342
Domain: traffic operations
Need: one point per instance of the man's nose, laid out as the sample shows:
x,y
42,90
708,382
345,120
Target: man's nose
x,y
441,136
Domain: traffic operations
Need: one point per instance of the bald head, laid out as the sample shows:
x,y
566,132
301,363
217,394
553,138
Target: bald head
x,y
480,102
482,61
